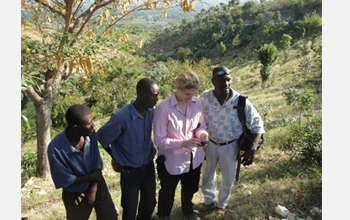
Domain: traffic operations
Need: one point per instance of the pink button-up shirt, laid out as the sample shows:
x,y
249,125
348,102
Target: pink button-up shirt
x,y
171,127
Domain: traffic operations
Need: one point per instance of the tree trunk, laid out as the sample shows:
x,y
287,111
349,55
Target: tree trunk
x,y
43,127
43,99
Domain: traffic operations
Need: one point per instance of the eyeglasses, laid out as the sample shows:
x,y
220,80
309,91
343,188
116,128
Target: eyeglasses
x,y
221,72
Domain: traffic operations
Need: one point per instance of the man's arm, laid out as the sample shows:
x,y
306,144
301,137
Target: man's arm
x,y
109,151
91,194
89,198
247,157
95,176
115,165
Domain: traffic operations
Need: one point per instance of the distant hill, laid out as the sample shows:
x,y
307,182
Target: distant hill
x,y
239,30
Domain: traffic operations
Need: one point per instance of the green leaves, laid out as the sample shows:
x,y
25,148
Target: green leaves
x,y
267,54
311,23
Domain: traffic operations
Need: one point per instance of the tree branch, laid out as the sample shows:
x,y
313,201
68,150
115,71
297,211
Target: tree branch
x,y
78,8
34,95
50,8
68,18
89,12
123,16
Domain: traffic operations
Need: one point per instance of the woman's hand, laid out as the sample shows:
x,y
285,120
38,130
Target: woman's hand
x,y
204,139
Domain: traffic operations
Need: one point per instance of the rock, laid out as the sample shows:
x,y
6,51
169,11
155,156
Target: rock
x,y
29,182
291,216
282,211
116,209
303,181
42,192
247,193
272,218
314,211
36,187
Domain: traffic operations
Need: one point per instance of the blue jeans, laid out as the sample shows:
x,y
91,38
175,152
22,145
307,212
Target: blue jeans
x,y
134,181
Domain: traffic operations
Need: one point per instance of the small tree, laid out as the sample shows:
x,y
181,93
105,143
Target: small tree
x,y
234,3
277,16
222,47
285,45
311,23
236,40
183,53
239,25
298,95
267,55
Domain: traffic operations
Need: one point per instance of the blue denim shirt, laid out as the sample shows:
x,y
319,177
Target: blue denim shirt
x,y
129,135
66,162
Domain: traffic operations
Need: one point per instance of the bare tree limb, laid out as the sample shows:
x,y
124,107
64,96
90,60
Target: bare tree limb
x,y
34,95
90,12
50,8
68,18
78,8
139,8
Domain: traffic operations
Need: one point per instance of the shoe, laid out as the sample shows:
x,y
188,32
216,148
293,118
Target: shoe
x,y
204,208
155,217
192,216
220,211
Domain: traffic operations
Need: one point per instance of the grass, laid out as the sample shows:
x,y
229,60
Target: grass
x,y
273,180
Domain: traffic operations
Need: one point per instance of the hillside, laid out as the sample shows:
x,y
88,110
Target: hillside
x,y
287,171
242,29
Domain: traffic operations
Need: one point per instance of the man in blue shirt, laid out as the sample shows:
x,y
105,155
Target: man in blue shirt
x,y
76,165
127,137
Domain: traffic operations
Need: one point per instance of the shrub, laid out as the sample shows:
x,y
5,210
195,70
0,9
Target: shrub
x,y
250,7
311,23
264,110
183,53
222,47
28,165
267,55
28,128
305,141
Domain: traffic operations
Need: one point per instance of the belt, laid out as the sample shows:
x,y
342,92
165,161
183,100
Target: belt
x,y
141,167
221,144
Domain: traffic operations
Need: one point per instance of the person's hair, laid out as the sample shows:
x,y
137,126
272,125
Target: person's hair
x,y
224,68
187,80
144,85
76,113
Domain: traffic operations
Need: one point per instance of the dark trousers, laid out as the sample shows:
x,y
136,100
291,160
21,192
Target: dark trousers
x,y
168,183
135,181
103,205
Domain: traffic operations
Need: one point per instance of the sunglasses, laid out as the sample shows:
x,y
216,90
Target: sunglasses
x,y
221,72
